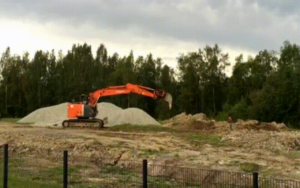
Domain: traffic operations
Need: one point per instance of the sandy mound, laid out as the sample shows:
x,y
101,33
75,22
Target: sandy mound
x,y
202,125
201,122
256,125
184,118
197,121
115,115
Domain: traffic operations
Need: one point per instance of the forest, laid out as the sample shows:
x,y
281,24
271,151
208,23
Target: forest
x,y
265,87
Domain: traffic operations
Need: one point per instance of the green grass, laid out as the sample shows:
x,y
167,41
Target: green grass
x,y
119,175
115,170
23,174
222,116
164,183
150,152
141,128
119,144
249,167
10,120
205,138
30,179
291,154
175,123
177,155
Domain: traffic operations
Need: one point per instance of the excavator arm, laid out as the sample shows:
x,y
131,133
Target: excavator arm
x,y
128,89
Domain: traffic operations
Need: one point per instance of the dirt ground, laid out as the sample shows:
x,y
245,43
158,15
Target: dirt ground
x,y
272,153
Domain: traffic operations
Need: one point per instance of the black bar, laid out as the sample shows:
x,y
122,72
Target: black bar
x,y
255,179
5,178
65,169
145,173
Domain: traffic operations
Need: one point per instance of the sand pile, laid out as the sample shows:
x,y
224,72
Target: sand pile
x,y
115,115
184,118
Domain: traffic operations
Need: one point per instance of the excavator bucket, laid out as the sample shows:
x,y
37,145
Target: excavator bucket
x,y
168,98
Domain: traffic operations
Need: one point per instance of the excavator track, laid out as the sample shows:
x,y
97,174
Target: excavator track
x,y
83,123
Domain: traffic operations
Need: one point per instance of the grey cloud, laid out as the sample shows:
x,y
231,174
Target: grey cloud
x,y
212,21
284,7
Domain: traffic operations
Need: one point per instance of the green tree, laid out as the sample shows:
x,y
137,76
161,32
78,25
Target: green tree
x,y
12,70
279,98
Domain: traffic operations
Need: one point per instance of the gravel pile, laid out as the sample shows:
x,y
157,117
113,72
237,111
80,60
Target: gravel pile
x,y
56,114
47,116
133,116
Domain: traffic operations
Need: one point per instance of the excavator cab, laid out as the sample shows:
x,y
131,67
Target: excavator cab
x,y
84,99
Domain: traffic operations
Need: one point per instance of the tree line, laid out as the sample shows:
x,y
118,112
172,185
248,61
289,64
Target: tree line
x,y
265,87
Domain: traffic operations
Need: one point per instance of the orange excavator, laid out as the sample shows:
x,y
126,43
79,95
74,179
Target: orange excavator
x,y
83,114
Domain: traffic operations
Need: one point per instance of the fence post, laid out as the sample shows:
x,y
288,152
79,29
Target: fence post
x,y
255,179
5,177
145,173
65,169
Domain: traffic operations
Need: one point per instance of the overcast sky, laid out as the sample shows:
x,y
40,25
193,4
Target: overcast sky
x,y
165,28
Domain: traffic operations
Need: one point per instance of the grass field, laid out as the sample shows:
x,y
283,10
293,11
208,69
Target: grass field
x,y
140,128
10,120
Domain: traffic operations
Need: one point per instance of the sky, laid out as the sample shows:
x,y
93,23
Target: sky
x,y
164,28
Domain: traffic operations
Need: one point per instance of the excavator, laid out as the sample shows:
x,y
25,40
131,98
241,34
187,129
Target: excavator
x,y
83,114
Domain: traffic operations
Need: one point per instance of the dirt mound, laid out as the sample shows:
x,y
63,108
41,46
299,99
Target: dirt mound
x,y
202,122
52,147
249,125
197,121
187,121
264,140
202,125
115,115
256,125
183,117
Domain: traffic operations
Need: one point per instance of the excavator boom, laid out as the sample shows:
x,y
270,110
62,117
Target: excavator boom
x,y
128,89
86,113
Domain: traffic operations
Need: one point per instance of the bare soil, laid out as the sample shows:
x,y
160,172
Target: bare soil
x,y
273,153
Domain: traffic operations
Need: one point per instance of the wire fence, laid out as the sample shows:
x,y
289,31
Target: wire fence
x,y
280,183
168,176
68,170
30,172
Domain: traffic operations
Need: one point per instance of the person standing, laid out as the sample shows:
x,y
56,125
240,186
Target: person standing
x,y
230,121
